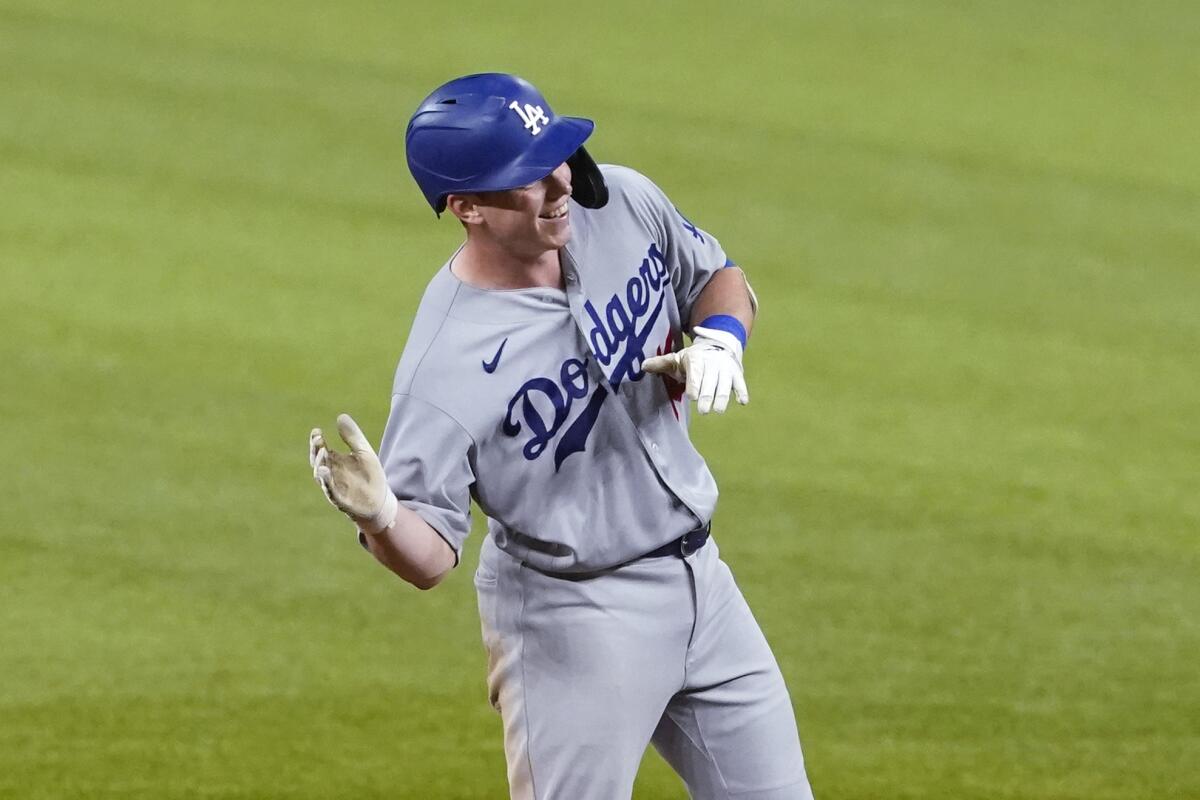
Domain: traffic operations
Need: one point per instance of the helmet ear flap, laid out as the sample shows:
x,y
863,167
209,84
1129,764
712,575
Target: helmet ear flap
x,y
587,183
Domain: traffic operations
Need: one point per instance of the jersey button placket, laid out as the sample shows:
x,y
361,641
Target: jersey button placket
x,y
573,287
656,458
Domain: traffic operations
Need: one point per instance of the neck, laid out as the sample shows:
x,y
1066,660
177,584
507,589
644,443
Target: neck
x,y
489,267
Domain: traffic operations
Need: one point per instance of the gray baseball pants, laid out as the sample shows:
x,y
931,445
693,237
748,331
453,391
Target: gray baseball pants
x,y
587,671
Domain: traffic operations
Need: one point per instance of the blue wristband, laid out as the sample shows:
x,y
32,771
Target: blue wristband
x,y
727,323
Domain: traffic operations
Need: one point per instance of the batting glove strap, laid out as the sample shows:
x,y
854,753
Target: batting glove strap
x,y
704,336
384,519
727,323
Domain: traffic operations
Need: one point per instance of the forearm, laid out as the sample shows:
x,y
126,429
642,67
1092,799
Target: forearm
x,y
412,549
727,292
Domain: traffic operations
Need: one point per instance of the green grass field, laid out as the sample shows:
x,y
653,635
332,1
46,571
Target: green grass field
x,y
965,502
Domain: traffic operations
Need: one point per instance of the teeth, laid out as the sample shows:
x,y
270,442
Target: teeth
x,y
556,213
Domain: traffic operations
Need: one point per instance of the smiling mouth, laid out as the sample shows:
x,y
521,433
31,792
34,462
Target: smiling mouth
x,y
557,213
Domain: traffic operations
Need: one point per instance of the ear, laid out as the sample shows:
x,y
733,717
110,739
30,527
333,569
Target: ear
x,y
465,207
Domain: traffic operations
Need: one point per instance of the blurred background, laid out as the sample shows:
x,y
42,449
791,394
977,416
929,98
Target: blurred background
x,y
965,502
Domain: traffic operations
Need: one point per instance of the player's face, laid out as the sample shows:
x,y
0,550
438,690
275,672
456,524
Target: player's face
x,y
532,219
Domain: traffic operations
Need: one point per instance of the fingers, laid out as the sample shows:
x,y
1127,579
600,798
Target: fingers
x,y
319,462
324,478
740,391
662,365
353,435
316,442
337,473
710,382
721,397
696,368
322,474
655,364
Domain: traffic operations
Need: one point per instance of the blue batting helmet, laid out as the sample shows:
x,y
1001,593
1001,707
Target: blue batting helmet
x,y
492,131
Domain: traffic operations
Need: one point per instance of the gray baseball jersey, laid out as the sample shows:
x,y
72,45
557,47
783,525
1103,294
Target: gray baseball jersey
x,y
533,401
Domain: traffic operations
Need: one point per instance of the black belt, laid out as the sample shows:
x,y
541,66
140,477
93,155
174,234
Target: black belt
x,y
685,545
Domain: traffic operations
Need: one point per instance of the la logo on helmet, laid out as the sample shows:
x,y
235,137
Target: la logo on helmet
x,y
531,115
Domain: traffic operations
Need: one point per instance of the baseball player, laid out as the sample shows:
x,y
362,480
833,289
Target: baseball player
x,y
545,378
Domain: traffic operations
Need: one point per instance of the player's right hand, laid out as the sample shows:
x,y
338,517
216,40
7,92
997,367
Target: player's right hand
x,y
353,482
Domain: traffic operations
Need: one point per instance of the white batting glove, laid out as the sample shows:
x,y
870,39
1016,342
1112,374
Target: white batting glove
x,y
711,367
353,482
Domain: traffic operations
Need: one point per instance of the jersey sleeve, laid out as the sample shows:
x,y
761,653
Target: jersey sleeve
x,y
693,255
426,456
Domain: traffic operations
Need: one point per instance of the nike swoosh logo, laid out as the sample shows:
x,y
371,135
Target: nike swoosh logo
x,y
490,366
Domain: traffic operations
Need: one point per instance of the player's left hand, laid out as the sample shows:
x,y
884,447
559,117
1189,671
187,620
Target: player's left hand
x,y
711,366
